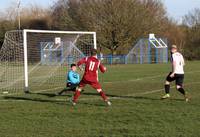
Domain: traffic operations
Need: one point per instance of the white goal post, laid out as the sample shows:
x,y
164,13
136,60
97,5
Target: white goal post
x,y
46,31
34,59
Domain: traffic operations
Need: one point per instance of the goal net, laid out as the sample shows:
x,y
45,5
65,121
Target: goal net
x,y
38,60
146,51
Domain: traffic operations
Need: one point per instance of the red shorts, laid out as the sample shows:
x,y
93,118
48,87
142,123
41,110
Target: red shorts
x,y
95,85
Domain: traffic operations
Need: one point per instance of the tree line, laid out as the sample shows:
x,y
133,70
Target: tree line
x,y
118,23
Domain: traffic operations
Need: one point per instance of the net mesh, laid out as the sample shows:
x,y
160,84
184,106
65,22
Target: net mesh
x,y
48,62
11,63
145,52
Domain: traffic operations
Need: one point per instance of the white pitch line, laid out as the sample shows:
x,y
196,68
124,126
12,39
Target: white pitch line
x,y
132,80
130,95
9,100
157,90
135,94
20,93
148,77
10,94
124,97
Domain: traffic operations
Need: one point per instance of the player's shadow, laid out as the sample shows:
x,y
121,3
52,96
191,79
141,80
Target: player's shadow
x,y
125,97
64,92
60,102
57,102
53,94
46,94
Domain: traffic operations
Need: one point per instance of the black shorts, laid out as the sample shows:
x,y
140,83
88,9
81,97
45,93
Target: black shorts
x,y
178,77
72,86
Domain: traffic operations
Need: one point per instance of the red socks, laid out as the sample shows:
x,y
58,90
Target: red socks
x,y
103,95
76,95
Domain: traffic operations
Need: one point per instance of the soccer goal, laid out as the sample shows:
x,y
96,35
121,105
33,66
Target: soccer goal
x,y
37,60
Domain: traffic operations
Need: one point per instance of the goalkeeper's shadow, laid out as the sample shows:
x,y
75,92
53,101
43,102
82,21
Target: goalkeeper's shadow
x,y
35,99
53,94
64,92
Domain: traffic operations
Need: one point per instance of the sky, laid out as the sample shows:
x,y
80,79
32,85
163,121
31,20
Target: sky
x,y
175,8
179,8
6,3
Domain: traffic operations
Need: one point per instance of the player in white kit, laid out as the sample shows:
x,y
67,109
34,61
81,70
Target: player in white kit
x,y
177,73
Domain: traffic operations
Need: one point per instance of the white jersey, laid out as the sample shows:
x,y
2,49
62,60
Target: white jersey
x,y
178,61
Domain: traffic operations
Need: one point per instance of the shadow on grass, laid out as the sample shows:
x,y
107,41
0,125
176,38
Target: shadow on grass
x,y
53,94
68,93
125,97
64,92
66,101
38,99
135,97
54,101
57,102
60,102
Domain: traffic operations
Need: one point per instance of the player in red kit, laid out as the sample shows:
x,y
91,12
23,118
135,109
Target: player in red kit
x,y
92,64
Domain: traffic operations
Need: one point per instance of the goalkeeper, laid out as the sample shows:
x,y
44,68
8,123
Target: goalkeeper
x,y
72,80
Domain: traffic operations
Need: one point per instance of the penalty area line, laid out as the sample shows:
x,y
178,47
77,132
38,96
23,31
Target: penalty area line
x,y
138,94
142,78
112,98
106,82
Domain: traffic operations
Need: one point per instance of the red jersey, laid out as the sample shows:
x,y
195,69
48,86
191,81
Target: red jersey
x,y
92,64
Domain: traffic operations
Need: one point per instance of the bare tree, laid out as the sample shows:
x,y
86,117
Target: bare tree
x,y
118,23
191,21
34,17
192,18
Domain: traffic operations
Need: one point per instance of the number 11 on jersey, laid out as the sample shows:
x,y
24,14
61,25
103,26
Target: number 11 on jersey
x,y
91,67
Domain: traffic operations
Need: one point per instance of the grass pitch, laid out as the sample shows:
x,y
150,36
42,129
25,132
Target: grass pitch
x,y
136,110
